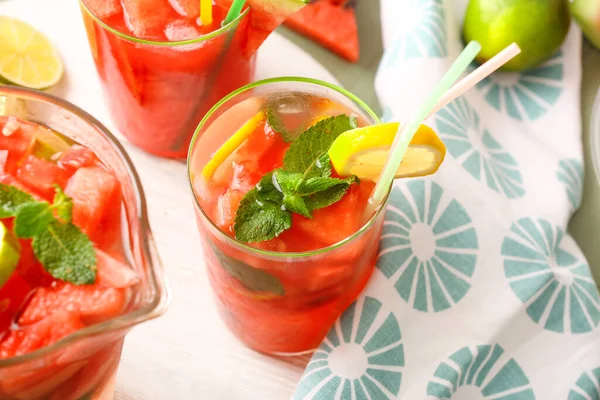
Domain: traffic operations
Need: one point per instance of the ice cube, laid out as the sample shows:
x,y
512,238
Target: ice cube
x,y
289,104
104,8
187,8
146,18
12,125
181,29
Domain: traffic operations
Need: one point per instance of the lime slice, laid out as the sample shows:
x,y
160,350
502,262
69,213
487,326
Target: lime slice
x,y
27,58
232,144
363,152
47,143
9,254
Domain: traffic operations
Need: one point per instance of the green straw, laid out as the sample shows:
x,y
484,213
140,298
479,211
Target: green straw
x,y
407,131
234,11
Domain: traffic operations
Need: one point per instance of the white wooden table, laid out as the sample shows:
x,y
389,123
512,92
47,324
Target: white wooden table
x,y
188,353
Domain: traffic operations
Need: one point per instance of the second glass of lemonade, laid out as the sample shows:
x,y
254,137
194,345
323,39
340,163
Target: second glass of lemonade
x,y
160,70
281,295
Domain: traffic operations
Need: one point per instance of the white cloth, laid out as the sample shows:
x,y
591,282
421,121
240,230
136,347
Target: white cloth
x,y
479,292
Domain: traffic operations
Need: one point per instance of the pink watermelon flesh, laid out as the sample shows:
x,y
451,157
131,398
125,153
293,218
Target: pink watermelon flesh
x,y
146,18
92,302
114,273
42,334
187,8
104,8
41,176
265,17
95,192
77,157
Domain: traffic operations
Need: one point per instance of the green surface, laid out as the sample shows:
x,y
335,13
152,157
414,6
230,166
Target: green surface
x,y
586,222
359,79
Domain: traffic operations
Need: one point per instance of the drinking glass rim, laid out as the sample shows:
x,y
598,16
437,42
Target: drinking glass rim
x,y
202,38
268,253
157,280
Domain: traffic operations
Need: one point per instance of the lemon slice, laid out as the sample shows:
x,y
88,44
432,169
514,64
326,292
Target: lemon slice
x,y
27,57
232,144
9,254
363,152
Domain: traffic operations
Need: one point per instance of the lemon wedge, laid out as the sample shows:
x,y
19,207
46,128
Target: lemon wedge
x,y
232,144
9,254
27,57
363,152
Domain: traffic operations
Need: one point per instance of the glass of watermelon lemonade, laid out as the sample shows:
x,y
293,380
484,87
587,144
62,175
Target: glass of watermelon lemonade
x,y
64,314
162,70
280,295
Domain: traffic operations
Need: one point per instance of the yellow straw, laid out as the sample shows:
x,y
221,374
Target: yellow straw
x,y
206,15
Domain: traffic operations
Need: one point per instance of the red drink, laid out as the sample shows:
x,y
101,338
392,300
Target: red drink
x,y
63,318
281,295
161,71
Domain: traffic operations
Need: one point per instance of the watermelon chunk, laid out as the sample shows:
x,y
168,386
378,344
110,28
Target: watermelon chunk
x,y
146,18
335,223
12,294
95,193
29,267
92,302
114,273
265,17
332,23
16,145
227,206
41,176
187,8
44,333
77,157
104,8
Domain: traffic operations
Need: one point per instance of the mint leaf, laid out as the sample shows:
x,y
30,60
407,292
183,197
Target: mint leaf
x,y
327,197
303,196
295,203
274,121
11,199
257,219
67,253
308,155
288,181
63,205
267,191
252,278
33,219
319,184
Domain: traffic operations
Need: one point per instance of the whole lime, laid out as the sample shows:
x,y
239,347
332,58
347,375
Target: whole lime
x,y
539,27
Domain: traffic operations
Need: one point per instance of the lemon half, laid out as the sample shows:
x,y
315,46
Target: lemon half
x,y
363,152
27,57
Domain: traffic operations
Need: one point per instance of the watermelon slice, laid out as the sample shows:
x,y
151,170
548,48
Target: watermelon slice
x,y
95,193
114,273
41,176
77,157
92,302
12,294
332,23
41,334
265,17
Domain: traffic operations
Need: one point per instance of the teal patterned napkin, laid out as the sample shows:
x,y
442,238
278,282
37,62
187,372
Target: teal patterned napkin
x,y
479,291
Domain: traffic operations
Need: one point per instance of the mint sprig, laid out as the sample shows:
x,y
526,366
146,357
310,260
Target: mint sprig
x,y
11,199
303,185
64,251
